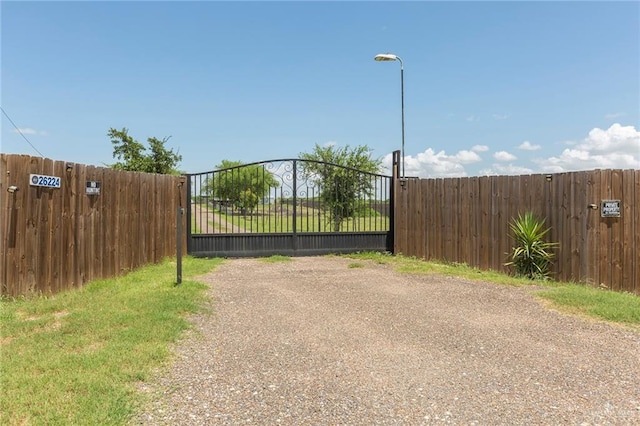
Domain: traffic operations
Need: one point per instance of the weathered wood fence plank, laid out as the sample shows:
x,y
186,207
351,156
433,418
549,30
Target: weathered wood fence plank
x,y
55,239
467,220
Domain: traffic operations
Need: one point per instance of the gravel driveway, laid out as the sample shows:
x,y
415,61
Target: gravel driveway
x,y
313,341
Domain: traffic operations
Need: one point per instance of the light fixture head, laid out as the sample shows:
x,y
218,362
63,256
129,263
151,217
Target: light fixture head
x,y
69,167
12,189
385,57
548,178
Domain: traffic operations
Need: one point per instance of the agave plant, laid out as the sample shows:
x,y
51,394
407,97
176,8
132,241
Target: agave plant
x,y
532,256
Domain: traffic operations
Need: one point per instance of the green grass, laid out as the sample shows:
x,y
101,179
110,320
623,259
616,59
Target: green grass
x,y
276,258
76,357
413,265
623,308
307,221
266,220
599,303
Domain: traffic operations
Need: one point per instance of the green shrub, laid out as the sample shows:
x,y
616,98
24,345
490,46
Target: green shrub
x,y
532,256
365,211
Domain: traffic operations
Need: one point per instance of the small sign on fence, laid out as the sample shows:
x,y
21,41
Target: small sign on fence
x,y
610,208
93,187
46,181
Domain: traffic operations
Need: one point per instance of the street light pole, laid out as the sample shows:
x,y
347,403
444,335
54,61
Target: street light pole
x,y
402,108
384,57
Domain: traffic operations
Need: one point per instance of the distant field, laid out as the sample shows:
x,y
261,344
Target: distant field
x,y
279,219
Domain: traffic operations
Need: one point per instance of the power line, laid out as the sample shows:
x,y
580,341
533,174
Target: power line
x,y
20,131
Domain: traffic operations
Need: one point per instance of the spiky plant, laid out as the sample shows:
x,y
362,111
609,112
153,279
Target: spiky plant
x,y
532,256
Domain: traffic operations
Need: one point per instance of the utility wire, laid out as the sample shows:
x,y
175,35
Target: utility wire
x,y
19,131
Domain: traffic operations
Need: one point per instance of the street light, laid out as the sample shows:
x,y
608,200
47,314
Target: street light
x,y
385,57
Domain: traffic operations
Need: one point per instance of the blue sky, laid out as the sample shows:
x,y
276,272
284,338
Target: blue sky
x,y
490,87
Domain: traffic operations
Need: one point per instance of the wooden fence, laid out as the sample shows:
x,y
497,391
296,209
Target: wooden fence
x,y
467,220
55,239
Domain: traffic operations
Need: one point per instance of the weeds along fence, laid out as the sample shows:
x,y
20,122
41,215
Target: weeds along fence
x,y
57,238
467,220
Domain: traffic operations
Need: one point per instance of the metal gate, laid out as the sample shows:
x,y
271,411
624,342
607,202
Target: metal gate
x,y
291,207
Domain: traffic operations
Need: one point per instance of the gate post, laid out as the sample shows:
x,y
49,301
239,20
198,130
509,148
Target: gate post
x,y
189,214
179,215
395,172
294,237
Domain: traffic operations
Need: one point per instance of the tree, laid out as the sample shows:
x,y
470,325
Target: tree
x,y
342,182
242,186
132,155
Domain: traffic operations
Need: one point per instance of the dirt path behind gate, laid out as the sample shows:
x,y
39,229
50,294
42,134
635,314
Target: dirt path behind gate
x,y
312,341
207,221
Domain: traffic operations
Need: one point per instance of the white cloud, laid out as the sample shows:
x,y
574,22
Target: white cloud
x,y
615,138
508,169
473,118
330,143
504,156
29,131
25,131
613,115
432,164
467,157
527,146
575,159
618,147
500,116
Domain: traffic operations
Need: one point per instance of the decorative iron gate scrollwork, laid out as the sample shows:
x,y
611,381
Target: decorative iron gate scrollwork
x,y
289,197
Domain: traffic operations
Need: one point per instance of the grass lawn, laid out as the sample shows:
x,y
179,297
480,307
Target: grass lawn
x,y
622,308
276,258
266,220
76,357
307,221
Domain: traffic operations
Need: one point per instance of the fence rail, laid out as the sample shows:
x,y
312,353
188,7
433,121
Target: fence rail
x,y
467,220
55,239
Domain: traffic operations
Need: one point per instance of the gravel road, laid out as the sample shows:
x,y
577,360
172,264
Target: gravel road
x,y
314,341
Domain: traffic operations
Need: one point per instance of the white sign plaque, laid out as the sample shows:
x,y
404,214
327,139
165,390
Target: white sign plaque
x,y
610,208
46,181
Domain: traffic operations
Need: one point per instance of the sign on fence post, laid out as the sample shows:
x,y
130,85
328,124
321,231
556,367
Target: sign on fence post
x,y
610,208
92,187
